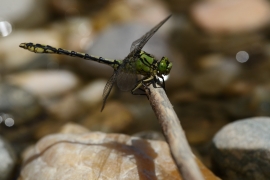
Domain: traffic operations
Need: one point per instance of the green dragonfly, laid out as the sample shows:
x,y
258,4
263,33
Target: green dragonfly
x,y
126,71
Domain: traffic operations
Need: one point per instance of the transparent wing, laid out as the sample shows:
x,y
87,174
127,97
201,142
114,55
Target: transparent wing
x,y
127,77
139,43
108,88
126,81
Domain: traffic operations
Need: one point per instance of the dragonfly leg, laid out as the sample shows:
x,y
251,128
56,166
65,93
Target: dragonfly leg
x,y
143,83
143,87
142,92
139,87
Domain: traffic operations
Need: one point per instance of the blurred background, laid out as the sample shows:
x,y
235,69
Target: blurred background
x,y
219,50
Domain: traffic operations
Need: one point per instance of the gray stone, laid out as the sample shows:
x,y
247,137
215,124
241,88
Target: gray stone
x,y
20,104
241,150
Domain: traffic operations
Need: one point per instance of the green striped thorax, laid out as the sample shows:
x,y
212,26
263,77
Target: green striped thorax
x,y
147,65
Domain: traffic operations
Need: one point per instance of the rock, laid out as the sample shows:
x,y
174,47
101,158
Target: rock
x,y
8,159
45,83
98,155
91,94
229,16
20,104
241,149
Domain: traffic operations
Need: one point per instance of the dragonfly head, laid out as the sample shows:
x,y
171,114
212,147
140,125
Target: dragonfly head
x,y
164,66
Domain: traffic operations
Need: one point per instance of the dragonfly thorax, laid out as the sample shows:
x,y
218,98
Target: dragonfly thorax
x,y
147,65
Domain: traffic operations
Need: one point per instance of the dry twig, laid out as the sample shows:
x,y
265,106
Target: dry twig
x,y
174,134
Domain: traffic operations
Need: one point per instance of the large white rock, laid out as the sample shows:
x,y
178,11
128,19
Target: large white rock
x,y
98,155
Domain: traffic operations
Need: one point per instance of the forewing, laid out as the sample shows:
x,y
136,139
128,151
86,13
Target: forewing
x,y
139,43
108,88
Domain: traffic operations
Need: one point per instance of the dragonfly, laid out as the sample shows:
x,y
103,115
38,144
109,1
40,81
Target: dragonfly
x,y
126,71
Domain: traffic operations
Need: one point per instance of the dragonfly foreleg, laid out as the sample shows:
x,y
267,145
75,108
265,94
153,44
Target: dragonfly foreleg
x,y
142,82
141,92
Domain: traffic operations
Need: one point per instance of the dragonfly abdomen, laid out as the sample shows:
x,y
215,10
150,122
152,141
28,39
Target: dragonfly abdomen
x,y
40,48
